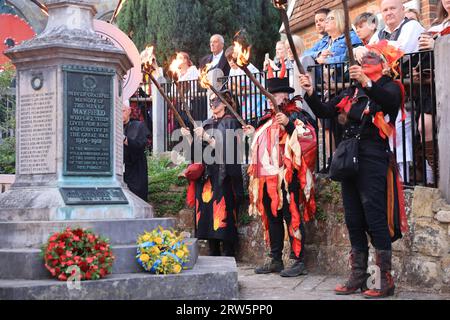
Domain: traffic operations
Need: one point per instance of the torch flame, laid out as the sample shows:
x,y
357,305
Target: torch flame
x,y
241,55
174,67
147,55
204,82
280,4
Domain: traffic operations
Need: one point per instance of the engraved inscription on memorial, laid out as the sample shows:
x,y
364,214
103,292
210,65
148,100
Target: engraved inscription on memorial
x,y
88,121
36,127
83,196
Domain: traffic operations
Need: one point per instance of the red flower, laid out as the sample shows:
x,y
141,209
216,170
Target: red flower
x,y
76,238
62,277
89,260
70,262
69,253
88,275
102,272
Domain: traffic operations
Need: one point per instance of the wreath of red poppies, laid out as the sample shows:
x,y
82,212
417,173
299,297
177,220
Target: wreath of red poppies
x,y
78,247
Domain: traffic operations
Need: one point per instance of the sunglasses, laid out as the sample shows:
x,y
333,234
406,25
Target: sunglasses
x,y
214,103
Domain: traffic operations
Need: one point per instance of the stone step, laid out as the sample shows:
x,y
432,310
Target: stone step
x,y
211,278
28,264
32,234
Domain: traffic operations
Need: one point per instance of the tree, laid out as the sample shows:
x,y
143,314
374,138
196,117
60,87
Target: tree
x,y
7,121
173,25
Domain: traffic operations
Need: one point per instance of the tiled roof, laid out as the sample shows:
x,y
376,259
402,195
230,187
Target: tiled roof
x,y
303,14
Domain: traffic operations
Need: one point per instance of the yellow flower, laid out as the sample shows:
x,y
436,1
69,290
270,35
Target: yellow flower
x,y
158,240
145,257
164,260
146,238
156,250
180,254
177,268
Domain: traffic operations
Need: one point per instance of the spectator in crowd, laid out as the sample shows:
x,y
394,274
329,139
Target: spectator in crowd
x,y
412,14
134,143
280,55
252,102
403,34
294,73
319,20
366,27
186,69
399,30
426,42
442,21
217,57
336,50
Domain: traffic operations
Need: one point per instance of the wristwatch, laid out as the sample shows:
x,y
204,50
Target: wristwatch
x,y
368,84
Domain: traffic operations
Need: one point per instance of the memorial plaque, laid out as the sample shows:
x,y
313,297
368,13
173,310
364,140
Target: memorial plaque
x,y
36,122
88,121
93,196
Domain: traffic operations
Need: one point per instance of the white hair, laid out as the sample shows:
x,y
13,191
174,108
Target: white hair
x,y
222,40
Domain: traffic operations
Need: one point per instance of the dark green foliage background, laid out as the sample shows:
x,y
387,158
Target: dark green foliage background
x,y
186,25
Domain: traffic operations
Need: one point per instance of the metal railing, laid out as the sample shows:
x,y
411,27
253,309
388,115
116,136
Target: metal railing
x,y
415,143
7,116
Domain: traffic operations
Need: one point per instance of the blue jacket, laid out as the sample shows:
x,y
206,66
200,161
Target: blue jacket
x,y
339,47
317,48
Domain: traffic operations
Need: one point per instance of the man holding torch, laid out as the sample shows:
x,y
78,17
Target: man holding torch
x,y
283,156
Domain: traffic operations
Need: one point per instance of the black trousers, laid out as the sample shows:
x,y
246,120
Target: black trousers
x,y
276,226
365,198
227,246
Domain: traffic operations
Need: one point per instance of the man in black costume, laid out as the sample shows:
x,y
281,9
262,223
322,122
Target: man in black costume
x,y
134,143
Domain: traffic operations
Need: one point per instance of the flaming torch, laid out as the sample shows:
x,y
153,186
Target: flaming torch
x,y
281,5
117,11
347,33
148,68
41,6
204,83
174,70
241,57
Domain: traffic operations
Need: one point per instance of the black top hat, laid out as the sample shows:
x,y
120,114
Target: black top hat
x,y
276,84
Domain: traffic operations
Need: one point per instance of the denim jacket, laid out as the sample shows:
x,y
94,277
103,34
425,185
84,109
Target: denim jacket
x,y
317,48
339,47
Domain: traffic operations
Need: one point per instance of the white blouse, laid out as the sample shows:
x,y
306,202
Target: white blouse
x,y
191,74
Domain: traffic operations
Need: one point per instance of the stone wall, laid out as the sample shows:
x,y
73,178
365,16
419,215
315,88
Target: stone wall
x,y
420,259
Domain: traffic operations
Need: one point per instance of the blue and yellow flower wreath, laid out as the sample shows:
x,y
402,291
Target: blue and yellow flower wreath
x,y
162,251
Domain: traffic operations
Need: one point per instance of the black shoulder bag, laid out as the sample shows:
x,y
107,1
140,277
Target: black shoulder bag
x,y
345,162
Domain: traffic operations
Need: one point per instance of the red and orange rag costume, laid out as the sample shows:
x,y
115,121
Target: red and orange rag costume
x,y
282,163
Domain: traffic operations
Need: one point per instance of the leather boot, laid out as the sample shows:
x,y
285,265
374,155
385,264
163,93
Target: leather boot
x,y
297,269
358,276
383,261
272,266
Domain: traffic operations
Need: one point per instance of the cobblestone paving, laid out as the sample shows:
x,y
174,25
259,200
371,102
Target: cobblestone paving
x,y
308,287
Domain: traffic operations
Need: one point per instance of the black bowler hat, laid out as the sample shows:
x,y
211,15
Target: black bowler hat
x,y
275,85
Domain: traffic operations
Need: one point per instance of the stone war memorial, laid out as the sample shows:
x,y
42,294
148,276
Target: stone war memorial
x,y
69,171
